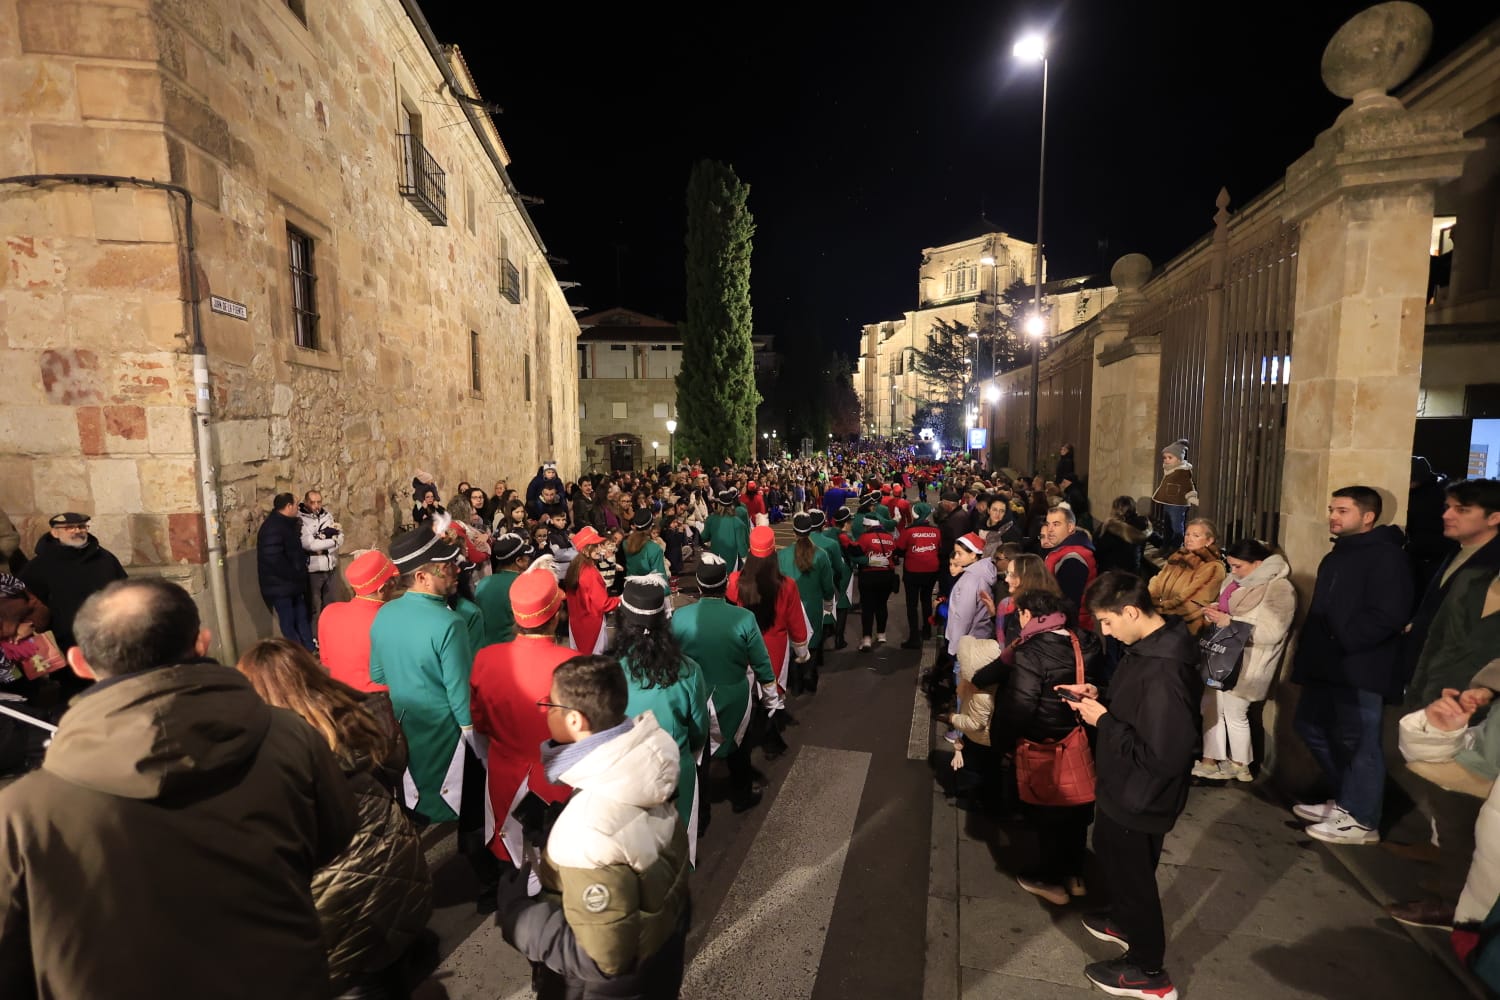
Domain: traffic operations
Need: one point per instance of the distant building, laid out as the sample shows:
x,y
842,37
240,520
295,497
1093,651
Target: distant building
x,y
959,282
627,389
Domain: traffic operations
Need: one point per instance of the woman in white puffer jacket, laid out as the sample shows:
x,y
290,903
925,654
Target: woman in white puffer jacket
x,y
1257,591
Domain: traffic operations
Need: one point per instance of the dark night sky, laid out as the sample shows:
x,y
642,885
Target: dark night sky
x,y
867,136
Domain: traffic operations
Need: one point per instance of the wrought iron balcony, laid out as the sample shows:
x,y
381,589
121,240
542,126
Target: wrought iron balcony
x,y
510,280
422,181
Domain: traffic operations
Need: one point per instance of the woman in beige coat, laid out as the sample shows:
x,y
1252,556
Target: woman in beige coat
x,y
1257,593
1192,576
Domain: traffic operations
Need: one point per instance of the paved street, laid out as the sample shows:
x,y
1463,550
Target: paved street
x,y
854,879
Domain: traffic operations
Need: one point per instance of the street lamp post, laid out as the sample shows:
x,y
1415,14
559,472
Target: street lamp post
x,y
1033,48
672,441
654,446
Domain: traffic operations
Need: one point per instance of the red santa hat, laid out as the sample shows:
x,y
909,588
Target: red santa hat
x,y
973,542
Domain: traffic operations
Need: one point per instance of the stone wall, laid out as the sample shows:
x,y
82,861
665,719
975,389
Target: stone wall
x,y
640,396
268,123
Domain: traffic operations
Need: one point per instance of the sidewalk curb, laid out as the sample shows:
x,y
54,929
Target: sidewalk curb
x,y
940,975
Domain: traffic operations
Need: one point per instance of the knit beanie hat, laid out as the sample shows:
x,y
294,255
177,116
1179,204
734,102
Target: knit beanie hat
x,y
919,511
1178,449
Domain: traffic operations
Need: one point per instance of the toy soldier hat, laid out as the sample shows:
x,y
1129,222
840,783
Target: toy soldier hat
x,y
70,517
728,497
818,518
422,545
586,536
868,498
762,541
712,572
842,515
369,571
535,598
510,546
644,597
803,524
641,519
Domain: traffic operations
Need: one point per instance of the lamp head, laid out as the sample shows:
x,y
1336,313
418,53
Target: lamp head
x,y
1036,325
671,427
1030,48
992,393
987,260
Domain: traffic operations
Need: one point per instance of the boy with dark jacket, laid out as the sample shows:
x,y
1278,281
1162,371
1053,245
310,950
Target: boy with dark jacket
x,y
1149,735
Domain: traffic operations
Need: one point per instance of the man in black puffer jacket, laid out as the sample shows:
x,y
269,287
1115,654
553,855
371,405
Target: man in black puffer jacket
x,y
281,566
1149,735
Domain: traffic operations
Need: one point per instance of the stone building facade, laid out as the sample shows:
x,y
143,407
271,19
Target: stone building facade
x,y
372,296
959,282
627,387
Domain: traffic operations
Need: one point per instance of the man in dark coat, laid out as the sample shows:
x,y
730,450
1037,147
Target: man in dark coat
x,y
1149,734
282,568
70,565
1348,662
172,798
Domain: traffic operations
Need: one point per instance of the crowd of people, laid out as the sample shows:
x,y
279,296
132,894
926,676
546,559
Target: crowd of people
x,y
572,674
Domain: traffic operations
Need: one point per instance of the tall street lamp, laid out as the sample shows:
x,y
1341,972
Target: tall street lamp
x,y
1033,48
672,441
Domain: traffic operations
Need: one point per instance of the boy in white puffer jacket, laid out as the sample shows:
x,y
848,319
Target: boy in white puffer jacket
x,y
613,913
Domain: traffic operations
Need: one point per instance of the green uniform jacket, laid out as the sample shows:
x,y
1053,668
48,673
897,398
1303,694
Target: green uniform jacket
x,y
473,619
493,595
420,649
828,541
725,642
815,586
651,559
682,710
728,538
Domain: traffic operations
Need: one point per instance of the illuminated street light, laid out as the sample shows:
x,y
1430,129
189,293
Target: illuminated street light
x,y
992,393
1036,324
1031,48
987,261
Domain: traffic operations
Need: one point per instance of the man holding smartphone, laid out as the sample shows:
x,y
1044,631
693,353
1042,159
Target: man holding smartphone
x,y
1149,736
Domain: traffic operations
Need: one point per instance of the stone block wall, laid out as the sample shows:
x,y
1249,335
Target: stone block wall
x,y
267,122
640,397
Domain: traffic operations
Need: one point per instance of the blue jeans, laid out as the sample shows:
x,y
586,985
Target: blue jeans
x,y
1176,525
1341,727
291,614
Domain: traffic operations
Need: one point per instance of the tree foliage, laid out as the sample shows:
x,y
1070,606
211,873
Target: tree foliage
x,y
813,394
716,394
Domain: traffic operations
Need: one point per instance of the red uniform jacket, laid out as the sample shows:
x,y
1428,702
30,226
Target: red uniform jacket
x,y
918,546
508,680
344,641
790,628
754,504
587,607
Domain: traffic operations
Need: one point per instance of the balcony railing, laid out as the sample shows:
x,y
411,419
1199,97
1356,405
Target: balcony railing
x,y
510,281
422,181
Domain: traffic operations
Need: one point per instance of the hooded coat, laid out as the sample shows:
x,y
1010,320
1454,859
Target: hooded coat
x,y
63,577
1267,602
1360,603
615,879
176,801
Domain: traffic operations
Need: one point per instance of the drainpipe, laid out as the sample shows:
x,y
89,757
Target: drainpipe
x,y
208,492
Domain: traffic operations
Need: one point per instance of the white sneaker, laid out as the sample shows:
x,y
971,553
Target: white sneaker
x,y
1315,812
1236,770
1341,828
864,644
880,638
1213,771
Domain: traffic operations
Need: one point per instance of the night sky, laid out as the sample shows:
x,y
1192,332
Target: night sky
x,y
868,136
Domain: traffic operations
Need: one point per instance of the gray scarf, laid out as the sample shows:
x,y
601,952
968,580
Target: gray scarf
x,y
558,758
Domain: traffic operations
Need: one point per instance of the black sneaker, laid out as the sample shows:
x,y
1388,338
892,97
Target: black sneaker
x,y
1122,978
1099,925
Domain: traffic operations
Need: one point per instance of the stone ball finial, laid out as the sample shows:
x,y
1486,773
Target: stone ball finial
x,y
1375,51
1130,272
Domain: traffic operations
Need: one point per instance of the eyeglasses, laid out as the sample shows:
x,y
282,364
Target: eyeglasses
x,y
546,705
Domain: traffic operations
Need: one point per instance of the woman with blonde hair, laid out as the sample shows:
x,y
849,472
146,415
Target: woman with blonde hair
x,y
1026,572
1191,578
374,900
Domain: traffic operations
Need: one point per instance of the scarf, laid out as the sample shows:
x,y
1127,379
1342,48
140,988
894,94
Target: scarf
x,y
1046,623
558,758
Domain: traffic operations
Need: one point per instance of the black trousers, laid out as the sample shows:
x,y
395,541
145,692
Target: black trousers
x,y
1128,859
874,593
918,591
1062,838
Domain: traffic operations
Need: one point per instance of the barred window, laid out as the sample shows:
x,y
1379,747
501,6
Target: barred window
x,y
474,381
304,288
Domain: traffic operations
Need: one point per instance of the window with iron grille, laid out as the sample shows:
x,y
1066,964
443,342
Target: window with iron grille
x,y
474,381
526,375
304,288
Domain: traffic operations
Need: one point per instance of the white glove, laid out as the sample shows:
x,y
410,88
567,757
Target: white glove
x,y
770,697
1192,498
800,652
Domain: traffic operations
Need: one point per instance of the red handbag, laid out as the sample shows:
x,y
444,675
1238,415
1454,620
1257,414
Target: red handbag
x,y
1057,772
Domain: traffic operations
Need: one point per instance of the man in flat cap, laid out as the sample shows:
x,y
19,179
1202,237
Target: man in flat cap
x,y
69,567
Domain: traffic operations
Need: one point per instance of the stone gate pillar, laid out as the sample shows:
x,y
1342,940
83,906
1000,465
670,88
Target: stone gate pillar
x,y
1127,369
1363,200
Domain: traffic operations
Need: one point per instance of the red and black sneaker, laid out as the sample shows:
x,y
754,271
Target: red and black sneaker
x,y
1122,978
1099,925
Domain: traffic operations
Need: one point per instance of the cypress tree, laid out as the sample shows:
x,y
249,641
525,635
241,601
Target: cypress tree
x,y
716,394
